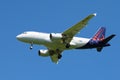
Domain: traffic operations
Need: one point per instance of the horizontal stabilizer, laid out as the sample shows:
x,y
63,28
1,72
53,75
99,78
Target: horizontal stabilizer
x,y
106,40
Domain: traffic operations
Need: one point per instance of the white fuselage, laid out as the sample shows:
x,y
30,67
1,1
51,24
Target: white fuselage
x,y
40,38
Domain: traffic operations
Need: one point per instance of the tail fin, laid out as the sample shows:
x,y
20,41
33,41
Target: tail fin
x,y
100,35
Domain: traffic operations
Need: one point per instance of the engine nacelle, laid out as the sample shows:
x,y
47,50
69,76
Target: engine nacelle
x,y
43,53
55,36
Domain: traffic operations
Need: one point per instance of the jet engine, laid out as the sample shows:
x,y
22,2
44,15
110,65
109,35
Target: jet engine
x,y
55,36
59,37
43,53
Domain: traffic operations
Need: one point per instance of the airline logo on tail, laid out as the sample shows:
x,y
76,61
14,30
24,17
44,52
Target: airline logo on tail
x,y
100,35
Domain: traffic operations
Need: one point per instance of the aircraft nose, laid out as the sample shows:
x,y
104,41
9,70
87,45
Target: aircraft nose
x,y
18,37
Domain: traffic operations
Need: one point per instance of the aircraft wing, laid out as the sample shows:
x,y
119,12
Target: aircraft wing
x,y
71,32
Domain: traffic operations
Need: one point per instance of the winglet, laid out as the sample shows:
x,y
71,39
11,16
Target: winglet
x,y
94,14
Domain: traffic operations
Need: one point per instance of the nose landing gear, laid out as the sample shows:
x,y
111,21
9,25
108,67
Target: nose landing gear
x,y
31,46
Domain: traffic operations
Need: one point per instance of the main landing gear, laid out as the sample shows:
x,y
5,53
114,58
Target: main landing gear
x,y
59,56
64,40
57,51
67,45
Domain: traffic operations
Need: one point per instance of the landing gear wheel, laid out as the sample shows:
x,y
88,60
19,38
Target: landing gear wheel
x,y
59,56
31,46
67,45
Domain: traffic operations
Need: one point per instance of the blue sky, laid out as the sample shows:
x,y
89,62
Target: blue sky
x,y
17,62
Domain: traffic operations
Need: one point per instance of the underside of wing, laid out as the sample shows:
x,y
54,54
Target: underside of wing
x,y
71,32
55,55
54,58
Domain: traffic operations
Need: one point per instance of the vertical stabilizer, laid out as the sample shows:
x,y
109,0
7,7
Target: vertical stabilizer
x,y
100,35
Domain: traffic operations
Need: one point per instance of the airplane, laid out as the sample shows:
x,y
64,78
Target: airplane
x,y
56,43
